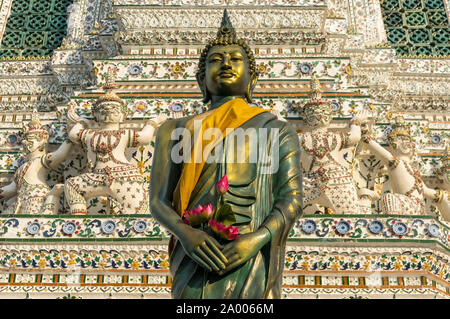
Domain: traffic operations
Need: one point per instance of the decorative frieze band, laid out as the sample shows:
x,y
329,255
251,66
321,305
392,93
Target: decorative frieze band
x,y
149,264
227,3
366,228
206,18
253,37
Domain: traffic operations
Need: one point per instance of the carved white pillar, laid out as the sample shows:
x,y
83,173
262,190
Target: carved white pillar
x,y
5,9
366,19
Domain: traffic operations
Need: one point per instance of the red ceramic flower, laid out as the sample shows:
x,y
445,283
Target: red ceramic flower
x,y
198,215
222,185
225,232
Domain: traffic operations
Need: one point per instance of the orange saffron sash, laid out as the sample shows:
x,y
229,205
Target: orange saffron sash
x,y
230,115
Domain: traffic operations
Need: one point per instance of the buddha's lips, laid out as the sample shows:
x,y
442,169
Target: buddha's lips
x,y
226,74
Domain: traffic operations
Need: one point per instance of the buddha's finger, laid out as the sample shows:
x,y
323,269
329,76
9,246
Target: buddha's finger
x,y
215,242
200,261
200,253
212,255
216,247
233,258
233,265
228,250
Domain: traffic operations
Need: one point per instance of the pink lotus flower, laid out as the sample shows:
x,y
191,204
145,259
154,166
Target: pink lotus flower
x,y
198,215
225,232
222,185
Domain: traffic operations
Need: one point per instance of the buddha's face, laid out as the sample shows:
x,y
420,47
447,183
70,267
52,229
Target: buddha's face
x,y
227,71
33,142
109,113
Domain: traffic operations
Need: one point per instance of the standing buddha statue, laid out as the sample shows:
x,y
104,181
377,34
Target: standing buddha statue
x,y
265,202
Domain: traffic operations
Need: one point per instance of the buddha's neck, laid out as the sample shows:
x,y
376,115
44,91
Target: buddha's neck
x,y
217,101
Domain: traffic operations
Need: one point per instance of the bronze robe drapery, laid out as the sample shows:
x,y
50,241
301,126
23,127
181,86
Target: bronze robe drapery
x,y
257,199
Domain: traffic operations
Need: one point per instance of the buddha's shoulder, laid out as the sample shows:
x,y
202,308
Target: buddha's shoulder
x,y
175,123
270,120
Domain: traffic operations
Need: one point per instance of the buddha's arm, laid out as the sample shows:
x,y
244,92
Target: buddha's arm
x,y
8,191
57,157
287,205
288,185
163,180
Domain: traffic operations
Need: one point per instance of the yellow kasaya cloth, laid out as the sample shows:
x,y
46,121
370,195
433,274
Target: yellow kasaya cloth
x,y
229,115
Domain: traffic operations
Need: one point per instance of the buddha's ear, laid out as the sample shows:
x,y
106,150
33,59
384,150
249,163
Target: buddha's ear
x,y
251,87
202,85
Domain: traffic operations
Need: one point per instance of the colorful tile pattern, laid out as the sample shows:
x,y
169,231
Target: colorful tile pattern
x,y
34,28
417,27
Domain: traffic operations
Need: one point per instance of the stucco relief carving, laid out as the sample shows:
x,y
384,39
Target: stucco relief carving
x,y
144,18
104,143
327,181
33,194
408,189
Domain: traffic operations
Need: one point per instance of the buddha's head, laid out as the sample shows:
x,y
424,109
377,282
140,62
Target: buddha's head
x,y
109,108
227,66
316,112
35,137
400,140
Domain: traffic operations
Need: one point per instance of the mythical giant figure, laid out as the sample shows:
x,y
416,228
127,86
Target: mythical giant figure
x,y
264,192
408,189
110,173
442,200
34,195
326,180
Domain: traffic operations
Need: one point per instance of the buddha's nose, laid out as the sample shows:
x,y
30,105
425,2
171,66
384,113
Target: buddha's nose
x,y
226,63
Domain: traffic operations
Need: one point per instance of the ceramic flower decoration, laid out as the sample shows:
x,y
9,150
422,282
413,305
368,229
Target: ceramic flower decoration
x,y
198,215
223,231
220,221
222,185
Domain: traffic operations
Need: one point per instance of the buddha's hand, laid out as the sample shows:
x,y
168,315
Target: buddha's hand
x,y
204,249
244,247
